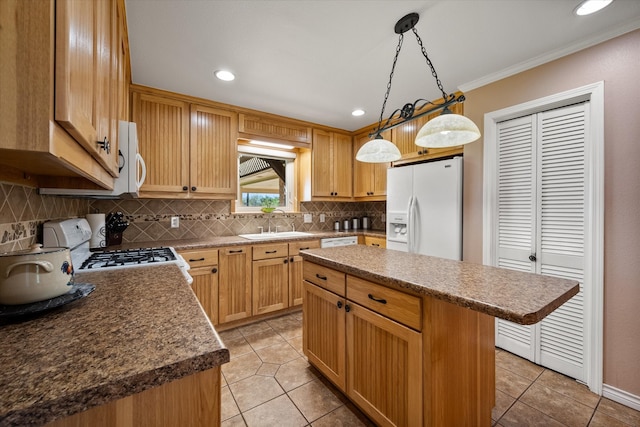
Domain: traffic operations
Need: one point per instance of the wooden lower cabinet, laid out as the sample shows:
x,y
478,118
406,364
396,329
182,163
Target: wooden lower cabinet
x,y
190,401
234,283
438,372
270,285
296,279
378,242
205,286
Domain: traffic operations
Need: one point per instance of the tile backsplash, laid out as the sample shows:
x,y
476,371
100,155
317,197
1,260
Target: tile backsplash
x,y
150,219
23,211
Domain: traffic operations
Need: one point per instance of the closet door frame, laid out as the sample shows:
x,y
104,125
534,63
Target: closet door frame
x,y
594,208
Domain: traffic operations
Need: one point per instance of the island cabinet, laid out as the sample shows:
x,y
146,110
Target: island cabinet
x,y
331,165
234,283
65,66
404,359
204,270
367,340
369,179
189,149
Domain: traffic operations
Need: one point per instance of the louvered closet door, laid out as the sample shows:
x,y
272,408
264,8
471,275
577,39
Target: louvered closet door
x,y
516,219
541,166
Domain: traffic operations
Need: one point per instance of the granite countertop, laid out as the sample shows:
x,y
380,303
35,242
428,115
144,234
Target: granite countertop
x,y
222,241
141,327
523,298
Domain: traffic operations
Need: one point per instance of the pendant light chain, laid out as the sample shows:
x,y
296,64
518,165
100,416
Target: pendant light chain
x,y
433,70
393,67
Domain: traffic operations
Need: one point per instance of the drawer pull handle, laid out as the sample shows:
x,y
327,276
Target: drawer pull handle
x,y
270,252
194,260
375,244
321,277
304,249
380,300
339,304
238,251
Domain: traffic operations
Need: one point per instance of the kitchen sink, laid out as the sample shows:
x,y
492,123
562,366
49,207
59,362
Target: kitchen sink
x,y
271,236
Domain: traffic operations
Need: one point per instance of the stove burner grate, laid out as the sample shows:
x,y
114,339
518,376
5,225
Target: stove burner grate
x,y
128,257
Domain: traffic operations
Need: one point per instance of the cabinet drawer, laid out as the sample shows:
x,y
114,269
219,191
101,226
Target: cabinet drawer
x,y
278,250
378,242
399,306
200,257
324,277
296,247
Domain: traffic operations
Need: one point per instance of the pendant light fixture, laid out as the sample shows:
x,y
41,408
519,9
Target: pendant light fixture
x,y
446,130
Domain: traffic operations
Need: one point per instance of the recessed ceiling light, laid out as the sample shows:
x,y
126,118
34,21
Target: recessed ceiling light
x,y
225,75
587,7
357,113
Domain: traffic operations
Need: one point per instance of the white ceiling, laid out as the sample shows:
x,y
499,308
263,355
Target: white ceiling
x,y
317,60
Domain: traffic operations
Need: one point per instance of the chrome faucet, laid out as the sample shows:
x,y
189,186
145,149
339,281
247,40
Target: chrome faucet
x,y
269,220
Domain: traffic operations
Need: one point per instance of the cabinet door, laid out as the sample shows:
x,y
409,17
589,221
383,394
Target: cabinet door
x,y
321,169
235,283
342,163
270,285
362,171
296,289
324,332
205,286
82,75
163,138
213,158
384,365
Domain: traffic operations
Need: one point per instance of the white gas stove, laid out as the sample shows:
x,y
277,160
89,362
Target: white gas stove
x,y
75,235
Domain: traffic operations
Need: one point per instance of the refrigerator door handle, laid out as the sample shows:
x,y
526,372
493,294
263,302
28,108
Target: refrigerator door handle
x,y
410,219
415,225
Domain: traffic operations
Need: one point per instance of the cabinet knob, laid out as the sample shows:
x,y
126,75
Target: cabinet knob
x,y
193,188
214,270
286,260
291,259
339,304
347,308
185,188
105,145
532,257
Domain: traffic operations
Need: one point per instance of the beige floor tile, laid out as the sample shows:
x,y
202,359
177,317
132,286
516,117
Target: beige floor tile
x,y
568,387
254,328
230,334
279,412
568,411
314,400
236,421
241,367
619,412
268,369
345,416
503,402
520,366
264,338
238,346
296,343
511,383
601,419
223,381
254,391
295,373
278,353
229,409
521,415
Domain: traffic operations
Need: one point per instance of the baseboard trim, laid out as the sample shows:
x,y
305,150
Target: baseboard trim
x,y
621,396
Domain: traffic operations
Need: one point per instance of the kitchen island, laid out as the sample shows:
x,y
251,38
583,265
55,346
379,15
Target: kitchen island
x,y
139,348
410,338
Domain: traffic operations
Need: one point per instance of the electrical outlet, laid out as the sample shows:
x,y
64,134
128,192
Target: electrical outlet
x,y
307,218
322,217
175,221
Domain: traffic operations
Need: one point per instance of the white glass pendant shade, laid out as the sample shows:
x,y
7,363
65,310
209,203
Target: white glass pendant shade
x,y
447,130
378,151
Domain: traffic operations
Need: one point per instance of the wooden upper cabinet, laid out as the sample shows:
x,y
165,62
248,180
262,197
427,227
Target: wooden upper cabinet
x,y
369,179
404,137
84,76
214,164
163,138
331,165
256,126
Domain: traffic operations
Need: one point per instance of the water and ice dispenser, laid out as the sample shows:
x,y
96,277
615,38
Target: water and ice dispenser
x,y
397,226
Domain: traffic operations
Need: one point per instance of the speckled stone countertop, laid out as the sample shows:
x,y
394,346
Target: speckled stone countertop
x,y
141,327
523,298
222,241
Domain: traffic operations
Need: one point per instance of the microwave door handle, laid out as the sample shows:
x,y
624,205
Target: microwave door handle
x,y
143,167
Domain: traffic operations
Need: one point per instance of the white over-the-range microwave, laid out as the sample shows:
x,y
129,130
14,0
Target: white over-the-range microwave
x,y
131,164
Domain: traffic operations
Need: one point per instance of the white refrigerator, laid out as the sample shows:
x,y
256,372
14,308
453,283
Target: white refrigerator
x,y
424,208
